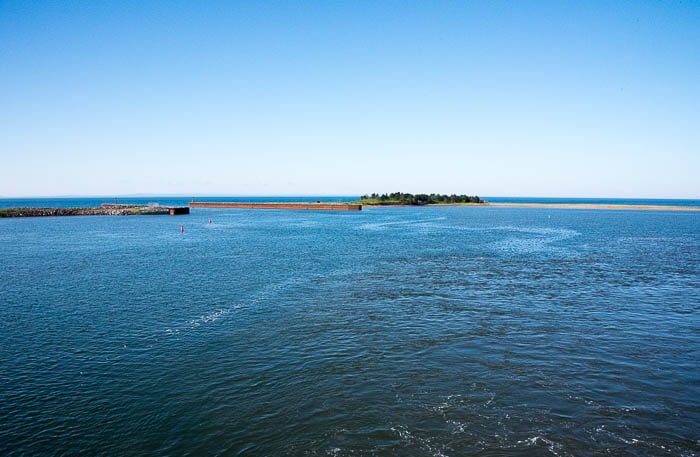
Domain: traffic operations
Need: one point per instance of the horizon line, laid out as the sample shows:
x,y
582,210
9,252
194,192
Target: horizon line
x,y
195,196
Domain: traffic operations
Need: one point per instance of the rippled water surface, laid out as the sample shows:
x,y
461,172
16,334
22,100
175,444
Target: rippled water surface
x,y
435,331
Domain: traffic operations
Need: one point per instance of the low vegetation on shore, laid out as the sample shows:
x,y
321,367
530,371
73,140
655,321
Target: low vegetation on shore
x,y
400,198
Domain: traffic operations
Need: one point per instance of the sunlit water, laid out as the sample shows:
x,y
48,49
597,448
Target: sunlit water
x,y
435,331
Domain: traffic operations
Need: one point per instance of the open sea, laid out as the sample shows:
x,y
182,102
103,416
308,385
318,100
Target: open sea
x,y
408,331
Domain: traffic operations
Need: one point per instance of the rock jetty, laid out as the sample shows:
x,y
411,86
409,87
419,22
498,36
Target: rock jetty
x,y
107,209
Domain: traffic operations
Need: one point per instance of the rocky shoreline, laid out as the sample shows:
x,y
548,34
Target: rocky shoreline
x,y
106,209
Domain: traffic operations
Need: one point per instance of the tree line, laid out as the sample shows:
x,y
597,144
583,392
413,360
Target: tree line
x,y
400,198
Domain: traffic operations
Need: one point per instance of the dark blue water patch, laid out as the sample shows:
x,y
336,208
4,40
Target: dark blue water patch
x,y
393,331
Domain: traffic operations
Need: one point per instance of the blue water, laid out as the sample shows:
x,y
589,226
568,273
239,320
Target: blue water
x,y
433,331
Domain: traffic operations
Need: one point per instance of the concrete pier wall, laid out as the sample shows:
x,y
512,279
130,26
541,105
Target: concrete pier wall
x,y
297,206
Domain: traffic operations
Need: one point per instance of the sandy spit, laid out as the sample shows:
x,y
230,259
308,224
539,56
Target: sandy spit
x,y
596,206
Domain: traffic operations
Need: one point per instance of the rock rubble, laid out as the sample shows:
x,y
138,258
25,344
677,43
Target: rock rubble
x,y
105,210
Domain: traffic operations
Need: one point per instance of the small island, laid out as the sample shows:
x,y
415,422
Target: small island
x,y
400,198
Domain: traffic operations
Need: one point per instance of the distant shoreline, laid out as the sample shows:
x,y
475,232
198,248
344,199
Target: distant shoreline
x,y
610,206
91,206
590,206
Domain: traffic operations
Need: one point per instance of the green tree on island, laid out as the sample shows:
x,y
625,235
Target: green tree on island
x,y
400,198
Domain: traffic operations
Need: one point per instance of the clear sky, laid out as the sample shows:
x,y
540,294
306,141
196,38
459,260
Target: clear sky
x,y
517,98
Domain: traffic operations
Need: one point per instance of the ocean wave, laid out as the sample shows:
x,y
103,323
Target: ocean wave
x,y
541,441
204,319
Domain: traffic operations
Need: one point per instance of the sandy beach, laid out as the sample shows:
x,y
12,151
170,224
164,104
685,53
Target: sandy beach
x,y
597,206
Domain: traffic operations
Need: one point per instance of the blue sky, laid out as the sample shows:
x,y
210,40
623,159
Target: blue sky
x,y
598,99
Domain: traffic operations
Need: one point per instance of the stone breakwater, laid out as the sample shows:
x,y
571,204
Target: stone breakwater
x,y
104,210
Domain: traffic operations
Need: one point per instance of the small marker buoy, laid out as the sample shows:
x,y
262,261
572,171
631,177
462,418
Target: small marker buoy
x,y
182,228
210,220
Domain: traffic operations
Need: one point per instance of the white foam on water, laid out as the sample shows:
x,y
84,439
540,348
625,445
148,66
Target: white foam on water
x,y
616,436
538,440
212,316
539,238
377,226
448,403
204,319
457,426
424,443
